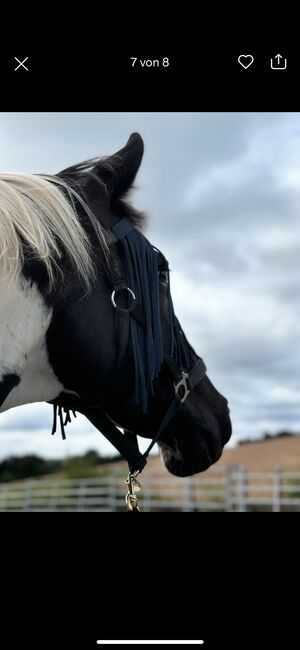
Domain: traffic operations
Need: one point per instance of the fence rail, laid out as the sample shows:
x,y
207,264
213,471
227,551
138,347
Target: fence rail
x,y
221,489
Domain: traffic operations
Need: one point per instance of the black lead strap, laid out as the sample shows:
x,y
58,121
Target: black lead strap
x,y
167,419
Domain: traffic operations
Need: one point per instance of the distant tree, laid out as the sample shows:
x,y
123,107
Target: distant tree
x,y
93,457
281,434
268,436
79,467
14,468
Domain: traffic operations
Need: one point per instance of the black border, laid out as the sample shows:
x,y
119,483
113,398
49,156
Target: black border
x,y
74,578
202,76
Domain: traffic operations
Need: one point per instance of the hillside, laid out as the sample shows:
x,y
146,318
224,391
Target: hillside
x,y
255,456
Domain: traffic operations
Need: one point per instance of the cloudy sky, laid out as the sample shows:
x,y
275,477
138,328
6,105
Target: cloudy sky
x,y
222,194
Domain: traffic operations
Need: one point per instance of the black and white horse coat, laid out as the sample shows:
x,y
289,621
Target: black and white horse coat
x,y
57,325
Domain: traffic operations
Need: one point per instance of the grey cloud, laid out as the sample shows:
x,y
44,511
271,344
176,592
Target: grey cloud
x,y
33,417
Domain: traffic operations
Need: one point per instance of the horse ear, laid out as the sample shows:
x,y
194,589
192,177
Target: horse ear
x,y
119,170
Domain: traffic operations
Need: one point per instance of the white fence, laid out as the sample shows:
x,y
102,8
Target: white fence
x,y
228,489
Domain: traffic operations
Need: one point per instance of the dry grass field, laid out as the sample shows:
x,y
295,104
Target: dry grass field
x,y
265,455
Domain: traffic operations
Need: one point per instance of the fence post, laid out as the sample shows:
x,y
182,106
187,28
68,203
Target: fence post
x,y
112,500
229,488
52,495
277,489
27,495
242,489
82,489
190,505
146,497
3,500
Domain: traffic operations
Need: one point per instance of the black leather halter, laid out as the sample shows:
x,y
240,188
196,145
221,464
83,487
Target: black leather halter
x,y
185,380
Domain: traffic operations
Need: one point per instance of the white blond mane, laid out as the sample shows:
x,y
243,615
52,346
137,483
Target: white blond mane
x,y
35,211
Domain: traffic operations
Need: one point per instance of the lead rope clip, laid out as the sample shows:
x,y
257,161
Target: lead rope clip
x,y
134,486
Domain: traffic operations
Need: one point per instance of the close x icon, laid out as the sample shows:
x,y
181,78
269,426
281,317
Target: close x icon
x,y
22,64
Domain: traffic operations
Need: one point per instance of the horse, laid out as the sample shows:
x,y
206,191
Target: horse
x,y
87,321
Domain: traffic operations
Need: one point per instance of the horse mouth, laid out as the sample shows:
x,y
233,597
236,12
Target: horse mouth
x,y
182,465
192,447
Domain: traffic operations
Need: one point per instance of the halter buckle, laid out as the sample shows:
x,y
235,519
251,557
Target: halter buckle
x,y
182,383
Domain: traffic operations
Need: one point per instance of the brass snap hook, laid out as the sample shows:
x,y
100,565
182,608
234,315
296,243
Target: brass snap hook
x,y
134,486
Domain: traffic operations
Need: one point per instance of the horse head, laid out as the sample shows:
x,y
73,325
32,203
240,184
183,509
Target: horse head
x,y
67,256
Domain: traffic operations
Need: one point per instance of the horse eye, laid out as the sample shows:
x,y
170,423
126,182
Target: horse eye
x,y
163,277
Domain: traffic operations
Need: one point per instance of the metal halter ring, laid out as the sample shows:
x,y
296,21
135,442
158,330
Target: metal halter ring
x,y
114,304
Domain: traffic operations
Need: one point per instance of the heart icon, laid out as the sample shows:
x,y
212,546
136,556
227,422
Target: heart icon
x,y
246,60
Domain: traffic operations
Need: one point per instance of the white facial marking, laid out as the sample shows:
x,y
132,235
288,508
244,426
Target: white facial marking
x,y
24,320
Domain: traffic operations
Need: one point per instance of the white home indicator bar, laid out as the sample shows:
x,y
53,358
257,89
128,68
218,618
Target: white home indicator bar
x,y
135,642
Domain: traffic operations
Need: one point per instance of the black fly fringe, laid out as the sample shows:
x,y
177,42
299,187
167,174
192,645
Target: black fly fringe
x,y
141,270
142,277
